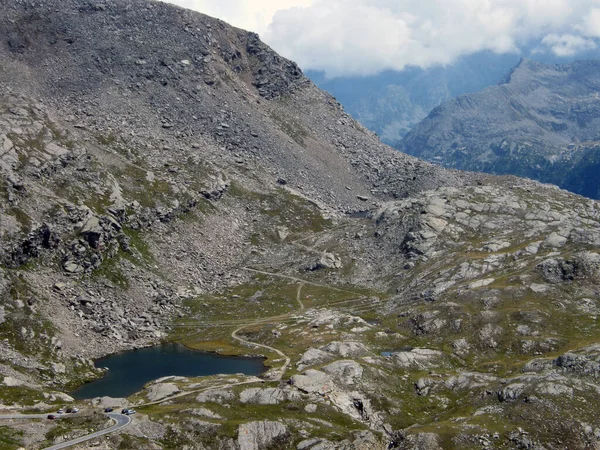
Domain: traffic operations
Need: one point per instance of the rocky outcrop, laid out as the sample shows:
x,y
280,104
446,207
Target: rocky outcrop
x,y
219,396
260,435
313,382
345,372
177,183
267,396
418,358
160,391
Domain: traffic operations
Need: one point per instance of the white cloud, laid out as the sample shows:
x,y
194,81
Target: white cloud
x,y
591,23
568,44
360,37
253,15
367,36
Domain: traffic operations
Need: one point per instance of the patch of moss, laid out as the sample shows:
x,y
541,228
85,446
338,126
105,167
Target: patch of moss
x,y
129,442
141,247
290,126
106,140
19,395
111,270
10,439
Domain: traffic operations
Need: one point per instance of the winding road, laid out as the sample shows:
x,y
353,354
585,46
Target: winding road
x,y
282,369
121,421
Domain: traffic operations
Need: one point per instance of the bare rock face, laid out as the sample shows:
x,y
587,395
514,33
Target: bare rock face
x,y
12,382
583,265
311,357
347,349
110,402
346,372
160,391
313,381
259,435
220,396
327,261
422,441
418,358
175,175
267,396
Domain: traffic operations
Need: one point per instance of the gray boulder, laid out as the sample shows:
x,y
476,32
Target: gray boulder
x,y
346,372
347,349
216,396
313,381
311,357
268,396
259,435
160,391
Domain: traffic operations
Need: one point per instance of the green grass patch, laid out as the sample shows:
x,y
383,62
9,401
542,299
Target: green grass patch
x,y
111,270
10,439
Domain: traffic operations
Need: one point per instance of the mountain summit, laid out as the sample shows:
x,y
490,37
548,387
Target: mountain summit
x,y
542,122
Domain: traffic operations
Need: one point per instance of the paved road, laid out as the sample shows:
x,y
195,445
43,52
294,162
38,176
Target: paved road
x,y
121,422
120,419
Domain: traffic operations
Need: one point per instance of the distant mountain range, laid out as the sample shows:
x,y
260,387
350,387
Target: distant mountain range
x,y
541,122
392,103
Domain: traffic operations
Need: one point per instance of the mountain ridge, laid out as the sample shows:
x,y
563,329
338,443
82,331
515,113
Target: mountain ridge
x,y
539,123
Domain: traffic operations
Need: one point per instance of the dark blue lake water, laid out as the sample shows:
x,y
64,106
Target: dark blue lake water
x,y
129,371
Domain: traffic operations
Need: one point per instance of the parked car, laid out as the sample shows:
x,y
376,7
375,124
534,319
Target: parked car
x,y
124,411
61,411
75,410
69,410
107,410
128,411
52,416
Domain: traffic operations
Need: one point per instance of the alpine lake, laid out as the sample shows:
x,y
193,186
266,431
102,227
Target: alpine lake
x,y
129,371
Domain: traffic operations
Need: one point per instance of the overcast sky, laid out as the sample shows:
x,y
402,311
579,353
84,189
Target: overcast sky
x,y
362,37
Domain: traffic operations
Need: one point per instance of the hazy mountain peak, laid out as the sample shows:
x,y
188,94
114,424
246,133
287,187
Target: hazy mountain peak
x,y
541,123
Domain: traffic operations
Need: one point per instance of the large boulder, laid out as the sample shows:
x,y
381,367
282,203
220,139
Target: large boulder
x,y
110,402
215,396
418,358
160,391
347,349
346,372
327,261
313,381
260,435
267,396
92,231
311,357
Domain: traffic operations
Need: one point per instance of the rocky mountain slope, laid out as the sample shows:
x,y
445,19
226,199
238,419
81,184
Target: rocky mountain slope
x,y
541,123
392,103
166,177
